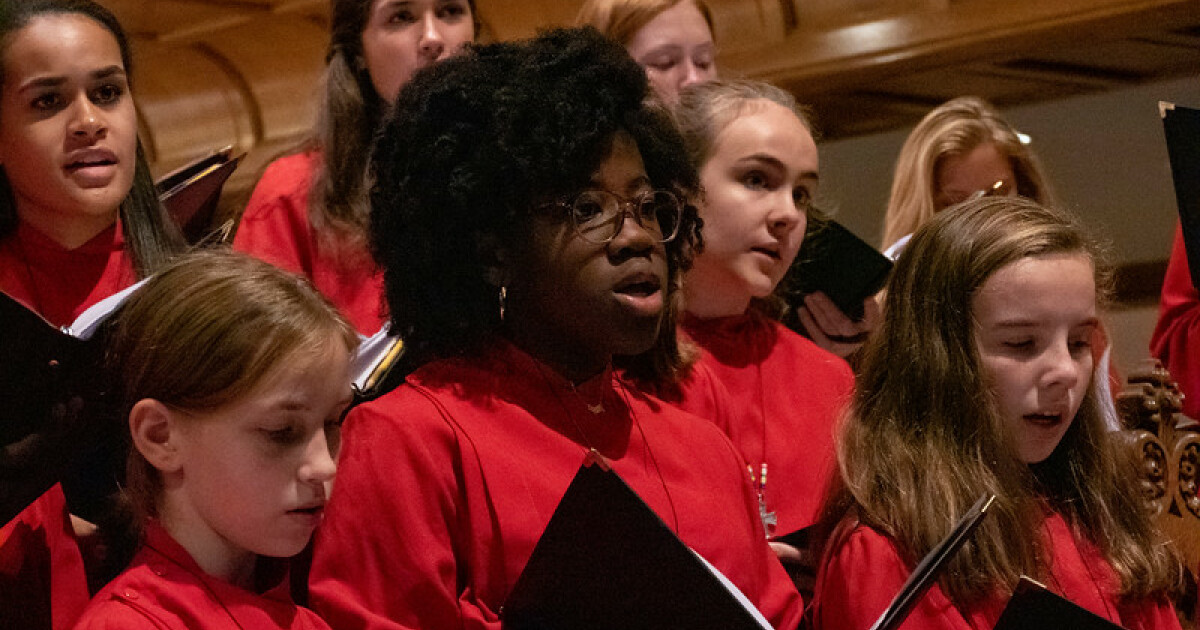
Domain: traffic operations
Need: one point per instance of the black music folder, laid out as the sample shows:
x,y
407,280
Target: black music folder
x,y
839,264
1033,607
927,570
191,193
607,562
1182,128
57,423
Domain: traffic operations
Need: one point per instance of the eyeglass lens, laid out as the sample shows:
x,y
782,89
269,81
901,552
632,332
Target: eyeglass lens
x,y
598,215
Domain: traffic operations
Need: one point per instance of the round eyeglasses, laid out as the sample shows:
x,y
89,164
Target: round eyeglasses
x,y
597,215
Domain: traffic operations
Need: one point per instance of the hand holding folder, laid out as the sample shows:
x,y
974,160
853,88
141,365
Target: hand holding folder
x,y
839,264
58,423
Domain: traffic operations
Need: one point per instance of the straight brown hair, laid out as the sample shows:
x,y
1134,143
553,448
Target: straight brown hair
x,y
209,329
923,439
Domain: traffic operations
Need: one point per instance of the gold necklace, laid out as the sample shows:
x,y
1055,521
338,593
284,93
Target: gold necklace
x,y
591,450
595,409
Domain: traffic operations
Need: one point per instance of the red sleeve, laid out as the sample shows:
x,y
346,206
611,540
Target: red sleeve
x,y
275,225
117,615
703,394
1176,338
372,577
858,580
42,579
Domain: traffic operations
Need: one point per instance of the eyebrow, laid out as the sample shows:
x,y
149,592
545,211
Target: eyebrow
x,y
777,163
290,405
293,404
1091,322
667,47
48,82
437,4
633,185
670,46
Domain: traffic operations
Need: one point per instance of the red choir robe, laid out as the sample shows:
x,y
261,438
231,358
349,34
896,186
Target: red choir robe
x,y
58,283
858,580
784,396
1176,337
42,580
276,228
164,588
446,483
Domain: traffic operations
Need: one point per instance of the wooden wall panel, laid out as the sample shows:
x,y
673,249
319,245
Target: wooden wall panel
x,y
188,106
245,72
280,63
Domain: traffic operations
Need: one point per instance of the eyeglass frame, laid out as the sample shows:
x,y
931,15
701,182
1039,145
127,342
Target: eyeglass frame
x,y
625,207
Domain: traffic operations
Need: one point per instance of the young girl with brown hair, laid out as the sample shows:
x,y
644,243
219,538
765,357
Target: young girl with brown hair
x,y
308,213
79,221
982,379
235,375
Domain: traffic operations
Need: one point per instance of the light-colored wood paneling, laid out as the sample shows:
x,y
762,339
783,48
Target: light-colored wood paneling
x,y
244,72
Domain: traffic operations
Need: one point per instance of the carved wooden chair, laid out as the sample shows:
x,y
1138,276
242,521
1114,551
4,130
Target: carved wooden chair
x,y
1166,444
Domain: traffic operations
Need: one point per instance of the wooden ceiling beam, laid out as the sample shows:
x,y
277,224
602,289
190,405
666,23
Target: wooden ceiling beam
x,y
1091,78
961,32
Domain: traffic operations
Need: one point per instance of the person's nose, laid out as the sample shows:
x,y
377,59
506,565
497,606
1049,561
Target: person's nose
x,y
696,73
1062,369
433,43
785,214
320,464
87,120
634,235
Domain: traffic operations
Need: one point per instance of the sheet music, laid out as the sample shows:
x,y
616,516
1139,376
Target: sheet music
x,y
735,591
90,320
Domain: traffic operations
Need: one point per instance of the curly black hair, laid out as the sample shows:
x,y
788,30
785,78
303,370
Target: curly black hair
x,y
474,144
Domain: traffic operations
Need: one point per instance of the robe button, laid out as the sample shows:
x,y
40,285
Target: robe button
x,y
131,594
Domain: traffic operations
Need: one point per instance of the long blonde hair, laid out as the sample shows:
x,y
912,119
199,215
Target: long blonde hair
x,y
923,438
954,128
620,20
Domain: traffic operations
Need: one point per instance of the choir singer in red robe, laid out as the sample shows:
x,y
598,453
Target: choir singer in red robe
x,y
529,213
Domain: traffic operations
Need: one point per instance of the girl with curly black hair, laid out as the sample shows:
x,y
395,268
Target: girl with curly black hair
x,y
529,212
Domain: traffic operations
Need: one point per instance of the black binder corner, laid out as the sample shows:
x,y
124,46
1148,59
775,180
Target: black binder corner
x,y
607,562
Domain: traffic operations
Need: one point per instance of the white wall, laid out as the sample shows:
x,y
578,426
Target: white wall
x,y
1105,156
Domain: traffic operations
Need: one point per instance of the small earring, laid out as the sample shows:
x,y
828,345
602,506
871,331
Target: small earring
x,y
503,297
